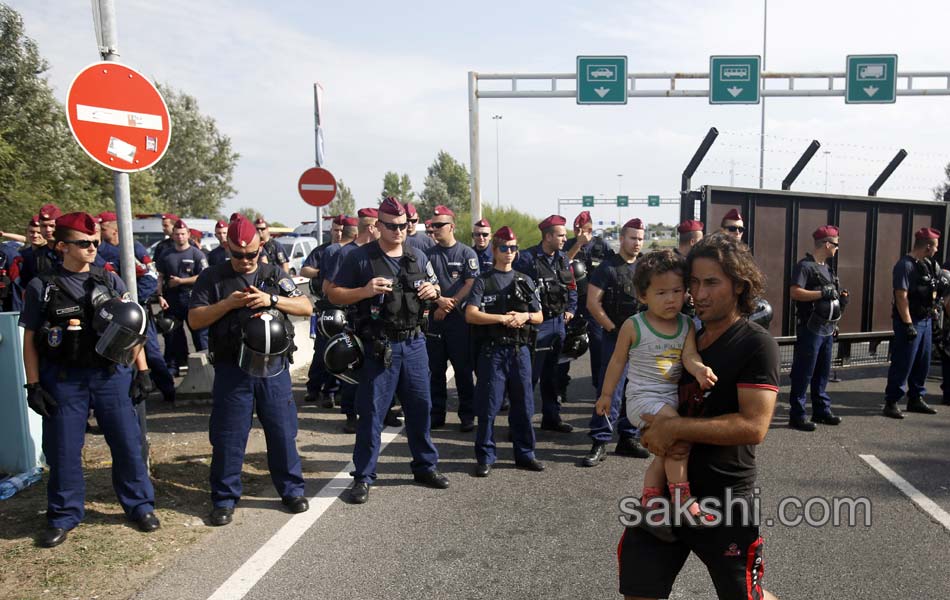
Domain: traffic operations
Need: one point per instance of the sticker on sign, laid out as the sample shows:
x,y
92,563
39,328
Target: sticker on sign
x,y
120,149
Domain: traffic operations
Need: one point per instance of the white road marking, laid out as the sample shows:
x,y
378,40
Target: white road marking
x,y
917,497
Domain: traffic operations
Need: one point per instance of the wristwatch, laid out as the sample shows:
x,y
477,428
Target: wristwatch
x,y
273,299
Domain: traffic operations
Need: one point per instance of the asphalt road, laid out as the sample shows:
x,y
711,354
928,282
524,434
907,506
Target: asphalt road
x,y
554,534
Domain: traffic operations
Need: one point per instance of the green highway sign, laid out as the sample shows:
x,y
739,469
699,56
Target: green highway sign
x,y
734,79
601,79
871,79
587,201
653,200
623,201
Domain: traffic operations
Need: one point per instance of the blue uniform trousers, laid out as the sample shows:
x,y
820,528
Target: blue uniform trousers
x,y
64,432
910,361
237,396
811,364
348,399
595,335
156,363
448,340
599,428
545,368
408,375
176,346
501,370
318,378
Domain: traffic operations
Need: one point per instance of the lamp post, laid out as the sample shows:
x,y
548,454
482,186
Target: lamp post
x,y
827,155
496,119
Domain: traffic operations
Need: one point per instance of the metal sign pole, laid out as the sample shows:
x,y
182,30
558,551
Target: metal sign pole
x,y
318,151
473,146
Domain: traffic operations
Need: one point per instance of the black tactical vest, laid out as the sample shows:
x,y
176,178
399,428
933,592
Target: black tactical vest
x,y
72,345
400,313
923,285
620,300
497,301
225,334
815,282
553,284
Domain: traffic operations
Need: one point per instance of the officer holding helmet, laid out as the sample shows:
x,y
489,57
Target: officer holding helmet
x,y
915,292
819,302
81,336
481,244
550,268
246,304
503,310
390,283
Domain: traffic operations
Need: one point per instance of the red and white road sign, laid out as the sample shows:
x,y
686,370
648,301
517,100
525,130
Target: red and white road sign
x,y
118,117
317,186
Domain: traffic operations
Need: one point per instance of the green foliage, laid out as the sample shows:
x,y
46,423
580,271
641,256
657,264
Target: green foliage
x,y
250,212
398,186
447,183
344,203
194,177
944,187
433,194
524,225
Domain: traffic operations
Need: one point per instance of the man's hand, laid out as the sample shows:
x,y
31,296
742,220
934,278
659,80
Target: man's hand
x,y
255,298
517,320
706,378
236,299
163,303
174,282
829,292
141,387
568,316
910,331
39,400
445,303
602,406
439,314
377,286
584,237
657,435
426,291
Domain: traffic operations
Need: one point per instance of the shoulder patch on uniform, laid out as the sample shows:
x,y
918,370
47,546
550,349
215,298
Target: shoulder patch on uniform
x,y
429,271
473,264
287,285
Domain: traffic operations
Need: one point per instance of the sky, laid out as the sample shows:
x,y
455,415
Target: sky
x,y
395,82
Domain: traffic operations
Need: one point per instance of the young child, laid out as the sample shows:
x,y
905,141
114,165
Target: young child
x,y
655,346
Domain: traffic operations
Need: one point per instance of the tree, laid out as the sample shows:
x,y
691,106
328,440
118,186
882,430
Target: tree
x,y
398,186
456,179
434,193
344,203
250,212
194,177
941,190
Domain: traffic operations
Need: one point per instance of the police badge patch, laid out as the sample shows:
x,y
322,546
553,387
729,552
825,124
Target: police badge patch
x,y
55,337
473,264
287,285
429,272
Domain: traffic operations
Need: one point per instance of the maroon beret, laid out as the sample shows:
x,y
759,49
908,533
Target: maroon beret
x,y
49,212
411,210
106,216
220,225
235,216
241,231
482,223
825,231
505,234
552,221
443,211
179,224
260,221
34,221
195,233
171,217
924,233
733,215
350,221
582,219
338,220
633,224
77,221
689,225
368,212
428,222
392,206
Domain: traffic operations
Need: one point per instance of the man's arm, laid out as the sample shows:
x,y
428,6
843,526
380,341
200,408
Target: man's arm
x,y
596,309
200,317
309,272
903,305
800,294
31,359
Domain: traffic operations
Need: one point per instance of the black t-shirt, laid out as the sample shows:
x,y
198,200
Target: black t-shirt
x,y
745,356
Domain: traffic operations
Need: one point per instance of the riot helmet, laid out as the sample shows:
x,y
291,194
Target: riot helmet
x,y
264,345
576,340
824,317
762,315
121,325
332,321
316,287
580,271
343,356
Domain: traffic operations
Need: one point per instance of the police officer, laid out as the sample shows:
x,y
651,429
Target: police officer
x,y
914,281
419,242
504,310
146,281
220,254
226,300
167,244
40,258
611,300
733,224
591,251
690,232
819,303
447,339
429,229
9,270
33,241
366,232
179,269
273,252
310,268
390,283
481,244
550,268
336,229
67,375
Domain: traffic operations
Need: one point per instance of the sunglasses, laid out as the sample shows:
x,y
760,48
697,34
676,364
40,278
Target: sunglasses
x,y
261,228
413,220
507,249
395,226
84,244
439,225
245,255
735,228
476,234
835,244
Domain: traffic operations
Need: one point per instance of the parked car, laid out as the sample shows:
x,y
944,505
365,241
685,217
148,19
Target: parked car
x,y
297,249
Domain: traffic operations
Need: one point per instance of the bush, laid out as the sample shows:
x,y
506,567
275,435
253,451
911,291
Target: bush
x,y
524,225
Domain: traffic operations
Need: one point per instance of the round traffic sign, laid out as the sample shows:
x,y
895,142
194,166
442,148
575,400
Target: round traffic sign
x,y
118,117
317,186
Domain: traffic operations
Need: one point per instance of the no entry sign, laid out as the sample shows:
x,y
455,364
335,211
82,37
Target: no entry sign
x,y
118,117
317,187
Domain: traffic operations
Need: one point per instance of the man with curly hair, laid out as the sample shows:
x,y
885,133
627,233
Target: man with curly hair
x,y
724,426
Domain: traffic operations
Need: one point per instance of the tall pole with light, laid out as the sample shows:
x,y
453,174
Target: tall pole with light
x,y
827,156
497,119
765,27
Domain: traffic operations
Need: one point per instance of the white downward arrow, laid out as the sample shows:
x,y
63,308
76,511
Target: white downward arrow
x,y
870,90
735,91
601,91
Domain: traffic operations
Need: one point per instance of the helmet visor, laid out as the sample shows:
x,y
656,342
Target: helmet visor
x,y
120,344
259,364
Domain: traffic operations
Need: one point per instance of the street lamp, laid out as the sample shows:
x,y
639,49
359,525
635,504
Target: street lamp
x,y
827,155
496,119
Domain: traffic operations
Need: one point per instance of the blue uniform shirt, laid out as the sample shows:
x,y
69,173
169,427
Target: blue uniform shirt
x,y
217,256
503,281
605,277
334,262
525,264
181,263
453,265
356,268
145,284
486,262
28,268
31,317
420,241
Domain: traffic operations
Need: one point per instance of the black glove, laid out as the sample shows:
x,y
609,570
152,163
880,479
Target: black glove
x,y
829,292
40,400
141,387
843,299
910,330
